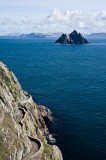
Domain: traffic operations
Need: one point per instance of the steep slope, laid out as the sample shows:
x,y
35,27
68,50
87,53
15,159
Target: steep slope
x,y
72,38
23,127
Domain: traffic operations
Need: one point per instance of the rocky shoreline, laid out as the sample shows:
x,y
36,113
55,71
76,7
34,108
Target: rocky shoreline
x,y
23,123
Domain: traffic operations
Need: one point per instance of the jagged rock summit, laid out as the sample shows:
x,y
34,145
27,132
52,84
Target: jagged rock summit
x,y
72,38
23,123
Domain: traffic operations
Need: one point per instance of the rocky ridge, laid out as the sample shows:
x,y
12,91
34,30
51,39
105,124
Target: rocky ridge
x,y
23,123
72,38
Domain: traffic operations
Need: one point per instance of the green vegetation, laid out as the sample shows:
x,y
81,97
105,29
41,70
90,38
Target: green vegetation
x,y
13,89
14,86
48,151
17,95
6,83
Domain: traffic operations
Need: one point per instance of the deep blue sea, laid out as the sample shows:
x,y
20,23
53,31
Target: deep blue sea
x,y
71,81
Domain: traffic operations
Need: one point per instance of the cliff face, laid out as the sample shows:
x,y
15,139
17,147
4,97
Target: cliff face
x,y
23,127
72,38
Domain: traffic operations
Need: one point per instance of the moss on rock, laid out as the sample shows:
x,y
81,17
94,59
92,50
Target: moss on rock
x,y
48,151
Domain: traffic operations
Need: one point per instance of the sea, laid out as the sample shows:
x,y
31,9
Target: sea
x,y
70,80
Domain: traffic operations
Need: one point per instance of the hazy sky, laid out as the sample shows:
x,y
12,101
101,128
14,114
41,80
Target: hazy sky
x,y
41,8
21,15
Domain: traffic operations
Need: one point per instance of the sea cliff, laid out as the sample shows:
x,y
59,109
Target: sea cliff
x,y
23,123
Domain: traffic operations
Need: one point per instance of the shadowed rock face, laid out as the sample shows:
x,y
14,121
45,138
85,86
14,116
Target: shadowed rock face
x,y
72,38
64,39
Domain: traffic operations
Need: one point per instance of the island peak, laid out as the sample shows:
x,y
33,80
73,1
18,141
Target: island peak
x,y
72,38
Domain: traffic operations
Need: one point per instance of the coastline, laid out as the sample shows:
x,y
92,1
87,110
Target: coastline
x,y
28,122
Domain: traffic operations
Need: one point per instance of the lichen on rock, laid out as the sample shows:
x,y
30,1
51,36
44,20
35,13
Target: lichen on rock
x,y
23,123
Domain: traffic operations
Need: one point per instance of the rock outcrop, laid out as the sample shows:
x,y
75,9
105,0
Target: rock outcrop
x,y
23,128
72,38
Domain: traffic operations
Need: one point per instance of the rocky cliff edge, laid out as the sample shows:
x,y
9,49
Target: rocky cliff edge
x,y
23,128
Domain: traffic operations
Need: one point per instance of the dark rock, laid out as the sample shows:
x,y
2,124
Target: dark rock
x,y
72,38
64,39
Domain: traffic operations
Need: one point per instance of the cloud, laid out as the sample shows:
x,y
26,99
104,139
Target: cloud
x,y
78,20
57,21
100,15
7,21
25,20
22,25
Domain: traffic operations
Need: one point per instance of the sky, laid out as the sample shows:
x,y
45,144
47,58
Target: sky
x,y
25,16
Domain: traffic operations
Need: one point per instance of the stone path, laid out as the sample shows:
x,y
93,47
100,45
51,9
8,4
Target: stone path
x,y
35,145
34,149
28,99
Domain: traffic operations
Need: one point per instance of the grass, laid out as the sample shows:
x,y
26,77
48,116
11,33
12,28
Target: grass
x,y
48,151
13,89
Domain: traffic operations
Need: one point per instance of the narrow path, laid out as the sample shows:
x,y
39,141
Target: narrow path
x,y
28,99
34,149
36,144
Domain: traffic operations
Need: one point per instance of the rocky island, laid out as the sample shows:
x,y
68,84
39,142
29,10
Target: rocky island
x,y
23,123
72,38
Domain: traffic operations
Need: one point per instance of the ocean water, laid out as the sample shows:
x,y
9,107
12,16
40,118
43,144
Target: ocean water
x,y
71,81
